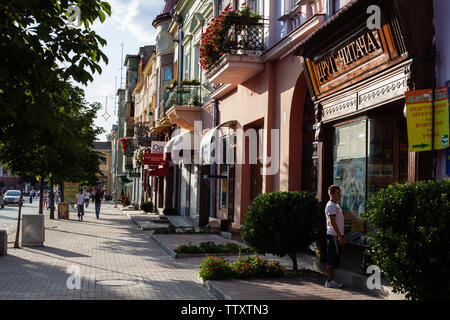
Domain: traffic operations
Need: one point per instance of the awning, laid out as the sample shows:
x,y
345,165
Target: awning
x,y
208,144
125,179
185,142
168,149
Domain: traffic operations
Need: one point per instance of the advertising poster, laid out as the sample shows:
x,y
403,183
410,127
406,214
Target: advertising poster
x,y
419,119
70,192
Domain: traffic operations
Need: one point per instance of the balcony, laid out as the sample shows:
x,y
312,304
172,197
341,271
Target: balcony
x,y
183,105
241,53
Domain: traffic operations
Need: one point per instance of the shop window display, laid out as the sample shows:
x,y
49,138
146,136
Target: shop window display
x,y
368,154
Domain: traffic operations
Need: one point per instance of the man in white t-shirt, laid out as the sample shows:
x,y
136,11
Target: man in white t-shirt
x,y
335,234
80,205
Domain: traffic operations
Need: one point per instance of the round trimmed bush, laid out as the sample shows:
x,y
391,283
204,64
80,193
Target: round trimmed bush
x,y
411,238
170,211
283,223
147,206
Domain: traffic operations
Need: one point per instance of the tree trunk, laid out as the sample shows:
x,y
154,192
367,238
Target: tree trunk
x,y
293,256
41,196
52,201
19,217
61,187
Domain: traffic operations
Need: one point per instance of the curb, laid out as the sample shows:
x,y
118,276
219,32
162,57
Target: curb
x,y
214,289
163,246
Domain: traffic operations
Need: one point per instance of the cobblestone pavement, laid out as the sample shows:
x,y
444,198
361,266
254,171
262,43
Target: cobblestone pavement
x,y
307,288
110,248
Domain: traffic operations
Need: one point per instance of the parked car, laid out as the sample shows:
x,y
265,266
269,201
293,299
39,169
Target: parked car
x,y
12,197
2,202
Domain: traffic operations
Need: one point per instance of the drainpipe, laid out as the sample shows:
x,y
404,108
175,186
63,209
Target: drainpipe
x,y
212,167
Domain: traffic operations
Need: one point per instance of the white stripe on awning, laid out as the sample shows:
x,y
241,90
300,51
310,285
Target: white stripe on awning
x,y
183,144
169,145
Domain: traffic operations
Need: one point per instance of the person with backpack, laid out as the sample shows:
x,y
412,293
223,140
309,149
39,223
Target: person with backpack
x,y
98,197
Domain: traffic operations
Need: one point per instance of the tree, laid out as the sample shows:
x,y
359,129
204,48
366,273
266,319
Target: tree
x,y
38,49
410,242
283,223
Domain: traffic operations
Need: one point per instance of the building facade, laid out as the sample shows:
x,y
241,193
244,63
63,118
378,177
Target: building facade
x,y
308,93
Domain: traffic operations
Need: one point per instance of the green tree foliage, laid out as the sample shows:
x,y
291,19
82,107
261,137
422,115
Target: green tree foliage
x,y
38,49
283,223
411,238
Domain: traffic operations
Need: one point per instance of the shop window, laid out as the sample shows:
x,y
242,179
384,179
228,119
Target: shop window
x,y
349,168
369,154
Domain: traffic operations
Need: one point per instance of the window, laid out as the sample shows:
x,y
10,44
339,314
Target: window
x,y
196,63
187,66
255,5
368,155
167,76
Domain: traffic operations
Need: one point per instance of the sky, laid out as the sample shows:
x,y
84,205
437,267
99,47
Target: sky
x,y
130,23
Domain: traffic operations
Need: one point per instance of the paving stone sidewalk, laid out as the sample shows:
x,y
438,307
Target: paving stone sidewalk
x,y
111,248
305,288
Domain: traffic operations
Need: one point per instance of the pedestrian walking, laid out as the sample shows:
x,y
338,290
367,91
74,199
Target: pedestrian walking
x,y
31,196
98,197
87,195
335,234
46,199
80,205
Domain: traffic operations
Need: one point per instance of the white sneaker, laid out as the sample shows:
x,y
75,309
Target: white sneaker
x,y
333,284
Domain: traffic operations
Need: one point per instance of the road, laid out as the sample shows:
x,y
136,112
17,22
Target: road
x,y
8,215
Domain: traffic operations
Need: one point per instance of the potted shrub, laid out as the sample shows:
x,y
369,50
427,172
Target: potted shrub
x,y
283,223
147,206
170,211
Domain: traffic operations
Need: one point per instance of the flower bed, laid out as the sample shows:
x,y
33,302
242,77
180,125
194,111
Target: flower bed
x,y
186,230
211,247
213,268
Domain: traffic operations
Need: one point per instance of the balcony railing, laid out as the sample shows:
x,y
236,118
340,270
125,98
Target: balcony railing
x,y
184,96
244,38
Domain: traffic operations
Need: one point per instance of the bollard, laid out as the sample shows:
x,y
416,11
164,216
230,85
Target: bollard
x,y
3,242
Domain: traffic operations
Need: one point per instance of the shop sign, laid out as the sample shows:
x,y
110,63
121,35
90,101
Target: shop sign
x,y
158,146
346,56
153,159
419,119
70,192
158,172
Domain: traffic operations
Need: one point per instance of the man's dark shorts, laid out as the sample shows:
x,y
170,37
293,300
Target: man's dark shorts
x,y
333,251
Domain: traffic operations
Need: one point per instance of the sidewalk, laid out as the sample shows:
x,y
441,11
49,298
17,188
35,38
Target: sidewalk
x,y
266,289
110,248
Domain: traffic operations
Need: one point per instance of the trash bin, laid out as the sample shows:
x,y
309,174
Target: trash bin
x,y
63,210
33,233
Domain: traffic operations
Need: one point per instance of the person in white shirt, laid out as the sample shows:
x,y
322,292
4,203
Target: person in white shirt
x,y
87,195
80,205
335,234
